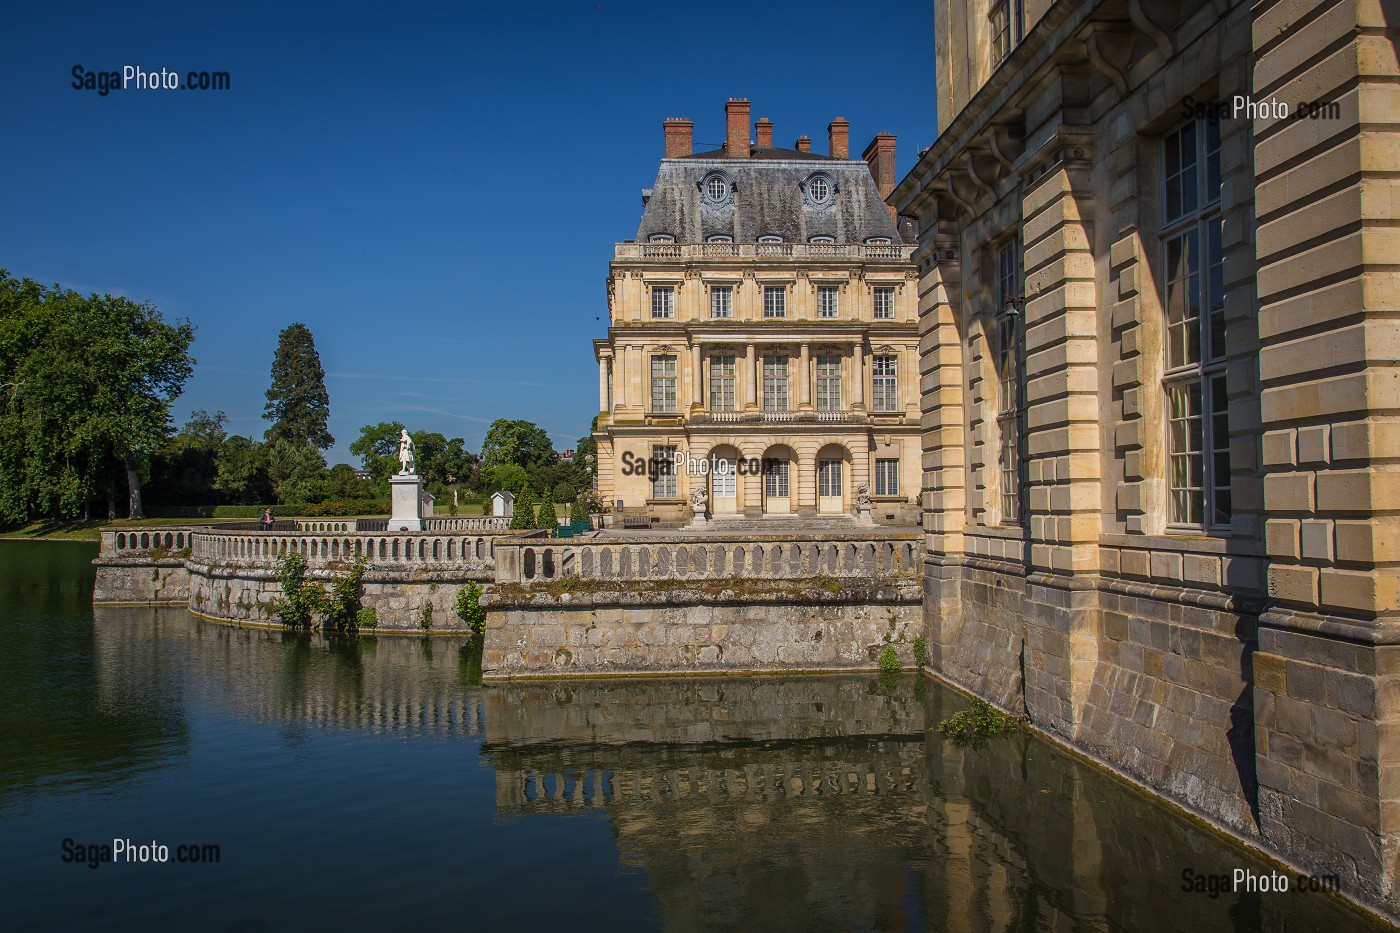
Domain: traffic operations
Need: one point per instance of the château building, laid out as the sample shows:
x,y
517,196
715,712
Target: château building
x,y
763,323
1158,304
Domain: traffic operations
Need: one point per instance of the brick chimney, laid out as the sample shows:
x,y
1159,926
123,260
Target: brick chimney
x,y
879,155
839,132
804,144
678,131
763,133
736,124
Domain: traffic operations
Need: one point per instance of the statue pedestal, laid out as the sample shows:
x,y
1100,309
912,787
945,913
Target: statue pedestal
x,y
406,512
864,517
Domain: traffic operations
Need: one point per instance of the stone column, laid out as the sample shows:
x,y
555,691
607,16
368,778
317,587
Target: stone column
x,y
697,381
751,373
603,406
804,372
858,376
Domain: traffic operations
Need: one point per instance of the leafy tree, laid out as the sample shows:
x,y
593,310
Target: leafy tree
x,y
578,512
524,515
522,443
184,470
508,477
378,450
295,471
342,483
241,476
297,402
565,492
547,516
86,385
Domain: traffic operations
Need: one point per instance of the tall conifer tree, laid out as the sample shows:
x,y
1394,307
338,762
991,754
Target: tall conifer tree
x,y
297,402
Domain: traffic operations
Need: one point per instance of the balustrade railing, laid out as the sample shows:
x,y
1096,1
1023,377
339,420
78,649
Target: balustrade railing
x,y
696,558
779,417
419,549
146,542
476,523
894,252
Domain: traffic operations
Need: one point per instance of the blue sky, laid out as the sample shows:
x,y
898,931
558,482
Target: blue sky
x,y
435,190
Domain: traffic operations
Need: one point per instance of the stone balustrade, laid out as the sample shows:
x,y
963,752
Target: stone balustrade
x,y
479,523
706,557
145,542
382,550
684,251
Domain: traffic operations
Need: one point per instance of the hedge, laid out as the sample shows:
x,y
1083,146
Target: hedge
x,y
299,510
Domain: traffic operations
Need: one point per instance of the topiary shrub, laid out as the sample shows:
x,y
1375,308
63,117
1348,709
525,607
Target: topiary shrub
x,y
546,516
578,512
524,516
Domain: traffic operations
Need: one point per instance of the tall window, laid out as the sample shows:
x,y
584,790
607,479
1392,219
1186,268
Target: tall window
x,y
1010,379
1194,300
828,383
829,478
663,383
884,384
884,303
663,302
1008,20
775,301
828,301
722,383
663,481
721,301
775,383
886,477
775,478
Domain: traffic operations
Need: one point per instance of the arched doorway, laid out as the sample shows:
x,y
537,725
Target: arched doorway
x,y
779,475
724,480
833,479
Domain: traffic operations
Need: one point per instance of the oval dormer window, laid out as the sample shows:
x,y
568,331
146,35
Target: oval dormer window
x,y
716,188
661,238
819,189
719,239
770,239
822,239
877,241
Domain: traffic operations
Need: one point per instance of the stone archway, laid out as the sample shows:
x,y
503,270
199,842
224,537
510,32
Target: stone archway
x,y
833,479
779,480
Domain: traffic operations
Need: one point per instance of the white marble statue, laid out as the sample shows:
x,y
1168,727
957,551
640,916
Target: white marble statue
x,y
405,451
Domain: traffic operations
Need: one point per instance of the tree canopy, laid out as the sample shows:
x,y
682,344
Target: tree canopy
x,y
297,402
86,385
522,443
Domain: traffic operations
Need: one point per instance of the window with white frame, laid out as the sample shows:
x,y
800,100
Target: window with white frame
x,y
770,238
775,301
722,382
884,383
775,383
1198,430
887,477
775,479
883,296
1009,359
721,301
662,238
828,383
828,301
663,383
663,481
1008,22
829,478
663,302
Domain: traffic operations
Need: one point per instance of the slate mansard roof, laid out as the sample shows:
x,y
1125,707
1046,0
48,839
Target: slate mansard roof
x,y
767,199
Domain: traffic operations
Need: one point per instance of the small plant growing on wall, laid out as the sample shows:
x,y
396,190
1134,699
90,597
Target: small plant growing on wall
x,y
343,606
889,660
972,727
427,621
469,607
367,618
920,651
301,600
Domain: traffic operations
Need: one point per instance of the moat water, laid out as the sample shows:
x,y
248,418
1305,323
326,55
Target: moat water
x,y
377,785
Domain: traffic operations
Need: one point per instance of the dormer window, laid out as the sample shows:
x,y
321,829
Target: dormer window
x,y
877,241
661,238
716,188
819,190
770,238
720,238
822,239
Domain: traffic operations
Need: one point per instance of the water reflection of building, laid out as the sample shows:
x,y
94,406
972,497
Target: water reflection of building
x,y
379,685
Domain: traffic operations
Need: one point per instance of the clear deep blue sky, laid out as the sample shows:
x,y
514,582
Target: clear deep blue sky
x,y
434,190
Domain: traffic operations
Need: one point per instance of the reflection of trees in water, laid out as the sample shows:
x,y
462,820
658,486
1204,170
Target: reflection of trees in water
x,y
59,728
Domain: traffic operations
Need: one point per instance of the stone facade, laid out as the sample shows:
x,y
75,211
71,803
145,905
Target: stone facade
x,y
764,316
1158,357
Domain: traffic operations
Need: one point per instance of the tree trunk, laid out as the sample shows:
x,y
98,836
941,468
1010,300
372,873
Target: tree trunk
x,y
112,499
133,482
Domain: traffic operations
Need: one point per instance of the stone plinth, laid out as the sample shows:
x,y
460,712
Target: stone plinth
x,y
406,513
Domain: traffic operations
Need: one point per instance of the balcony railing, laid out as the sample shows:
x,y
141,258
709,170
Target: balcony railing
x,y
671,252
780,417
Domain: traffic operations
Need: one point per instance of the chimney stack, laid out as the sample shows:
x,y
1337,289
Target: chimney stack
x,y
804,144
678,132
839,132
763,133
879,155
736,122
